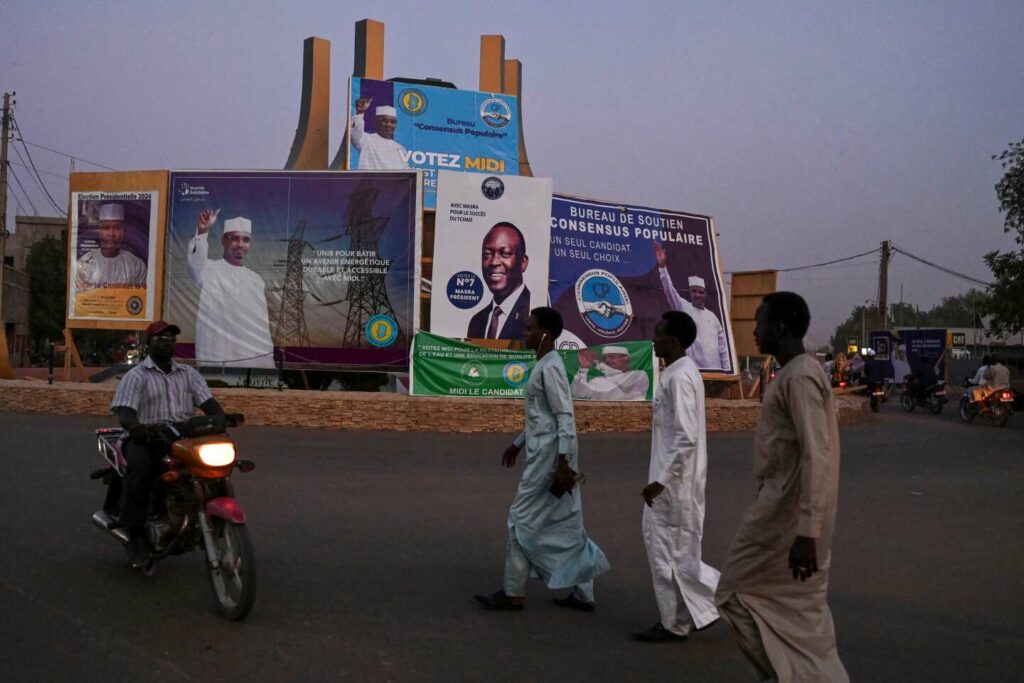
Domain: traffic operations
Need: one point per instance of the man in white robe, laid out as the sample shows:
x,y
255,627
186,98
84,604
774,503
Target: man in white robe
x,y
616,381
232,323
774,586
711,349
546,538
673,519
377,150
110,265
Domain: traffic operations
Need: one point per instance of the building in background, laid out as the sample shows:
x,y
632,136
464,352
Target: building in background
x,y
28,231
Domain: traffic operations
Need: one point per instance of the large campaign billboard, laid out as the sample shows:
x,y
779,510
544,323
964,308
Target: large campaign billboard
x,y
309,268
113,259
412,126
490,254
616,268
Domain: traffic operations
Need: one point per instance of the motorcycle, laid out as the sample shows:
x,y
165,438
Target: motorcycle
x,y
193,505
876,396
996,406
932,397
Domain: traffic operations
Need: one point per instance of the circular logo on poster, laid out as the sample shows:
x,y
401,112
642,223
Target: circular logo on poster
x,y
603,303
495,112
412,102
515,373
381,330
134,305
474,372
465,289
492,187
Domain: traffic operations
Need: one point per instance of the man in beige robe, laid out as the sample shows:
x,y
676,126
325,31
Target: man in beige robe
x,y
774,584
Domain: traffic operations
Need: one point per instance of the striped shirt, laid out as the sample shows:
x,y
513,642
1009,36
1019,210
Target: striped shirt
x,y
157,396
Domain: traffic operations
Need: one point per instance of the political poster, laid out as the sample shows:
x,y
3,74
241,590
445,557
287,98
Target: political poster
x,y
113,245
490,267
447,367
615,269
412,126
308,268
926,345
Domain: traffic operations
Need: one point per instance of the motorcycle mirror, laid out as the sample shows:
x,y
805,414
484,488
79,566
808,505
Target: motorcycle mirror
x,y
245,465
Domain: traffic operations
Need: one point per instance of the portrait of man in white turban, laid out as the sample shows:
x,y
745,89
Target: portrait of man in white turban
x,y
111,265
377,150
232,321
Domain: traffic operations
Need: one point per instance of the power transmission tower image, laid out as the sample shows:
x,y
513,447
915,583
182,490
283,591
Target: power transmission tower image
x,y
291,320
367,293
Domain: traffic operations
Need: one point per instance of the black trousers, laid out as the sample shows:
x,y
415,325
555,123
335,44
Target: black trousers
x,y
139,478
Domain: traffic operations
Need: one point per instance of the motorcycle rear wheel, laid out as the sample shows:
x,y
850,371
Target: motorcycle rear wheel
x,y
934,405
999,415
966,414
907,402
874,404
234,580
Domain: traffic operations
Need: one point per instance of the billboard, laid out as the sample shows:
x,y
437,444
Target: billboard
x,y
311,268
616,268
926,345
113,255
491,237
412,126
446,367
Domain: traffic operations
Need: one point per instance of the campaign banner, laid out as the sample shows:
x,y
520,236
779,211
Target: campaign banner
x,y
615,269
113,248
927,344
490,267
447,367
312,268
412,126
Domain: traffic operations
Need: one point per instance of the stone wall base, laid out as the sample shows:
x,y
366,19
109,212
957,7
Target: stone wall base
x,y
394,412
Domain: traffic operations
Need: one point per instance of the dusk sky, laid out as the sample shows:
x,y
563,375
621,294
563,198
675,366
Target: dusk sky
x,y
810,131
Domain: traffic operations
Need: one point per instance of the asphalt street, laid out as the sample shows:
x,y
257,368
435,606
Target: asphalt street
x,y
370,546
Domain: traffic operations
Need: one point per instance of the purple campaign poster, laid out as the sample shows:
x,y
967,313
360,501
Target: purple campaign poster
x,y
312,268
616,268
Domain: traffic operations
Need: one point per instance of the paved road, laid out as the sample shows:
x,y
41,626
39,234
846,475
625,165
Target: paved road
x,y
370,546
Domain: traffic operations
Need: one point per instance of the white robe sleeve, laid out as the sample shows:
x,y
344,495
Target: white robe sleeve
x,y
198,248
683,431
806,405
677,302
556,390
723,347
358,131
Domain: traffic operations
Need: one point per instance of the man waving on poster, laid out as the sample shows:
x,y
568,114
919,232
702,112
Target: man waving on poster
x,y
711,349
377,150
232,323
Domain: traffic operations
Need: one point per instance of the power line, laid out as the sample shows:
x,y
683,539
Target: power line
x,y
16,200
35,211
55,175
64,154
948,271
31,162
828,263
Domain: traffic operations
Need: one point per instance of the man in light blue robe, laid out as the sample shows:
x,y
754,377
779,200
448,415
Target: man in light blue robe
x,y
546,538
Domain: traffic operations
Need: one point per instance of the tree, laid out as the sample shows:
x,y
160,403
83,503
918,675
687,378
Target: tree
x,y
46,266
1007,293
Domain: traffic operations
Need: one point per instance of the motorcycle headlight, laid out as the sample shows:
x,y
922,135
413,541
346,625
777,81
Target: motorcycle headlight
x,y
217,454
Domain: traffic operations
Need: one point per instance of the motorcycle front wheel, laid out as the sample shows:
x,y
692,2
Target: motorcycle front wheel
x,y
234,579
907,402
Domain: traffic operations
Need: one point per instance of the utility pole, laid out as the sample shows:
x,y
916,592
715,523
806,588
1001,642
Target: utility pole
x,y
5,131
883,287
6,371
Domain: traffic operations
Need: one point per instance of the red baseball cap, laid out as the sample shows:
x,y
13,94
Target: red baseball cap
x,y
160,326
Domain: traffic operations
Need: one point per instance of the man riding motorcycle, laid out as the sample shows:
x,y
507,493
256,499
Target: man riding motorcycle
x,y
151,398
978,382
922,377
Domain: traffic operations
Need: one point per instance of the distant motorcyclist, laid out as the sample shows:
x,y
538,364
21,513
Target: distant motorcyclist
x,y
922,377
874,370
978,382
152,396
997,376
